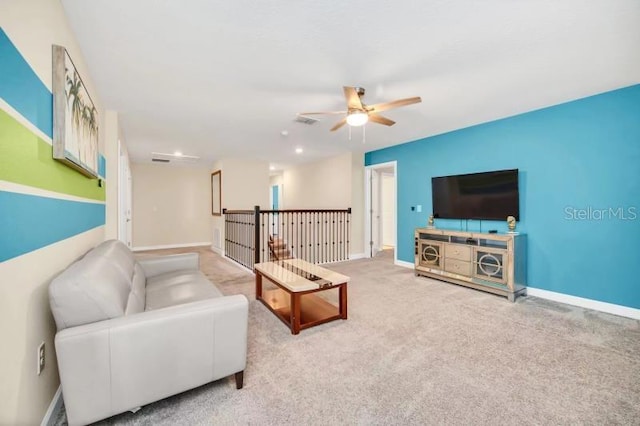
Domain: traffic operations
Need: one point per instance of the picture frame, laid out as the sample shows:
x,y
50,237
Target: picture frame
x,y
75,117
216,193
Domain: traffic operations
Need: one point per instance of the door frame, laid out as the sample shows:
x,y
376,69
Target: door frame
x,y
280,207
368,208
125,196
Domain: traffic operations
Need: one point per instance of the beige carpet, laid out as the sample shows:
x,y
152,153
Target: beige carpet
x,y
419,351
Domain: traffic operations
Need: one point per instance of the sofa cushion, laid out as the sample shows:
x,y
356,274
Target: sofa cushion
x,y
118,253
137,298
178,287
89,290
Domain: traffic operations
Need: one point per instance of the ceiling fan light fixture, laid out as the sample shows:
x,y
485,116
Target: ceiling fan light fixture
x,y
357,118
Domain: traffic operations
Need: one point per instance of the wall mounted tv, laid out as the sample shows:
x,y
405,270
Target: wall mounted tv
x,y
489,195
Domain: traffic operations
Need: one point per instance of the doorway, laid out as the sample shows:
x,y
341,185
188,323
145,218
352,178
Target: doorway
x,y
381,203
275,197
275,202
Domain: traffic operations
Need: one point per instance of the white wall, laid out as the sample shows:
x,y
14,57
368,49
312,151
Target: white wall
x,y
333,183
25,318
325,184
245,184
111,135
357,203
275,179
171,205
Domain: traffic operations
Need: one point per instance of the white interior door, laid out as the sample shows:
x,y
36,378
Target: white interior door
x,y
381,210
124,196
388,209
376,223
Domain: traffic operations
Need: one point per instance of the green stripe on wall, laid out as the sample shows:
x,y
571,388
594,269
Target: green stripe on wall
x,y
28,160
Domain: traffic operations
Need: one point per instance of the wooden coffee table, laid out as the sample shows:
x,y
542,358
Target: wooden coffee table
x,y
294,301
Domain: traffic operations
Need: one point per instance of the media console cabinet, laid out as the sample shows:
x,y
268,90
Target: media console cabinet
x,y
490,262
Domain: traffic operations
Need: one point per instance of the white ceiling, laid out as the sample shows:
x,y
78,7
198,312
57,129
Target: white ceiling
x,y
222,79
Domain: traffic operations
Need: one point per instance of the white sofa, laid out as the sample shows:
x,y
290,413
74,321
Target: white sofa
x,y
133,332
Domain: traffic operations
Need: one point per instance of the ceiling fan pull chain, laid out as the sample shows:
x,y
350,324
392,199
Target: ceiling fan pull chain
x,y
349,132
364,134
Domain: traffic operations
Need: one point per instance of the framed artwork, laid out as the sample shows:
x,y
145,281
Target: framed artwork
x,y
75,118
216,193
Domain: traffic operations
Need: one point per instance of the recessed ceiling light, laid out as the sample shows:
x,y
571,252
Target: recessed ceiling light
x,y
298,150
284,133
177,154
271,168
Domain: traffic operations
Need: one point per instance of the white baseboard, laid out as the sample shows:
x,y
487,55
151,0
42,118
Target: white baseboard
x,y
404,264
610,308
217,250
239,266
170,246
354,256
52,412
596,305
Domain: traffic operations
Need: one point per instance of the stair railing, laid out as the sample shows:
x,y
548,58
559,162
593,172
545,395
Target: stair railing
x,y
315,235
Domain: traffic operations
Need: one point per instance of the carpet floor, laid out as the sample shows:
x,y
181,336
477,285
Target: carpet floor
x,y
417,351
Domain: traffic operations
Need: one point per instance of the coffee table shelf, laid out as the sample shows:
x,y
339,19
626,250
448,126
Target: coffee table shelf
x,y
314,310
294,300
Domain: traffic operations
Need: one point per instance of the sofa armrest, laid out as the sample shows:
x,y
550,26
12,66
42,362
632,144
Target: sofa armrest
x,y
157,265
116,365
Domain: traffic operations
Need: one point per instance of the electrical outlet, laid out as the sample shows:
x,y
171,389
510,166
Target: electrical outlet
x,y
40,358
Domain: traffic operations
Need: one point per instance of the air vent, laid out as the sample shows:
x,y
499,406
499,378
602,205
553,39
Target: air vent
x,y
306,120
163,157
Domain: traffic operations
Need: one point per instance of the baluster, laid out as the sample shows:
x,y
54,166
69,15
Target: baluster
x,y
334,225
300,234
324,236
316,248
291,224
309,218
339,251
341,235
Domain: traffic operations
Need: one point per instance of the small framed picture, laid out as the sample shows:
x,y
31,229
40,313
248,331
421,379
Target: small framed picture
x,y
216,193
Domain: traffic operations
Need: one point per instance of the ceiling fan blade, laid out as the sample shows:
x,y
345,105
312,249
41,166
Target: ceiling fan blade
x,y
353,100
381,120
322,112
393,104
340,124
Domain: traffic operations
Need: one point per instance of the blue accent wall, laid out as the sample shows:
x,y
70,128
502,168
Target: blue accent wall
x,y
30,222
579,168
21,88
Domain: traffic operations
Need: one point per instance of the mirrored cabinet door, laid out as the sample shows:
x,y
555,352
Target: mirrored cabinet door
x,y
430,254
490,265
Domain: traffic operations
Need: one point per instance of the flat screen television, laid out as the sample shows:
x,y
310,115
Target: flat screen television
x,y
489,195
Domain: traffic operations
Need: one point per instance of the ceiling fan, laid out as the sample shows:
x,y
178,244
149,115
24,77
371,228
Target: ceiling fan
x,y
357,113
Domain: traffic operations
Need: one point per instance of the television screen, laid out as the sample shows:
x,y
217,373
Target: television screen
x,y
489,195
